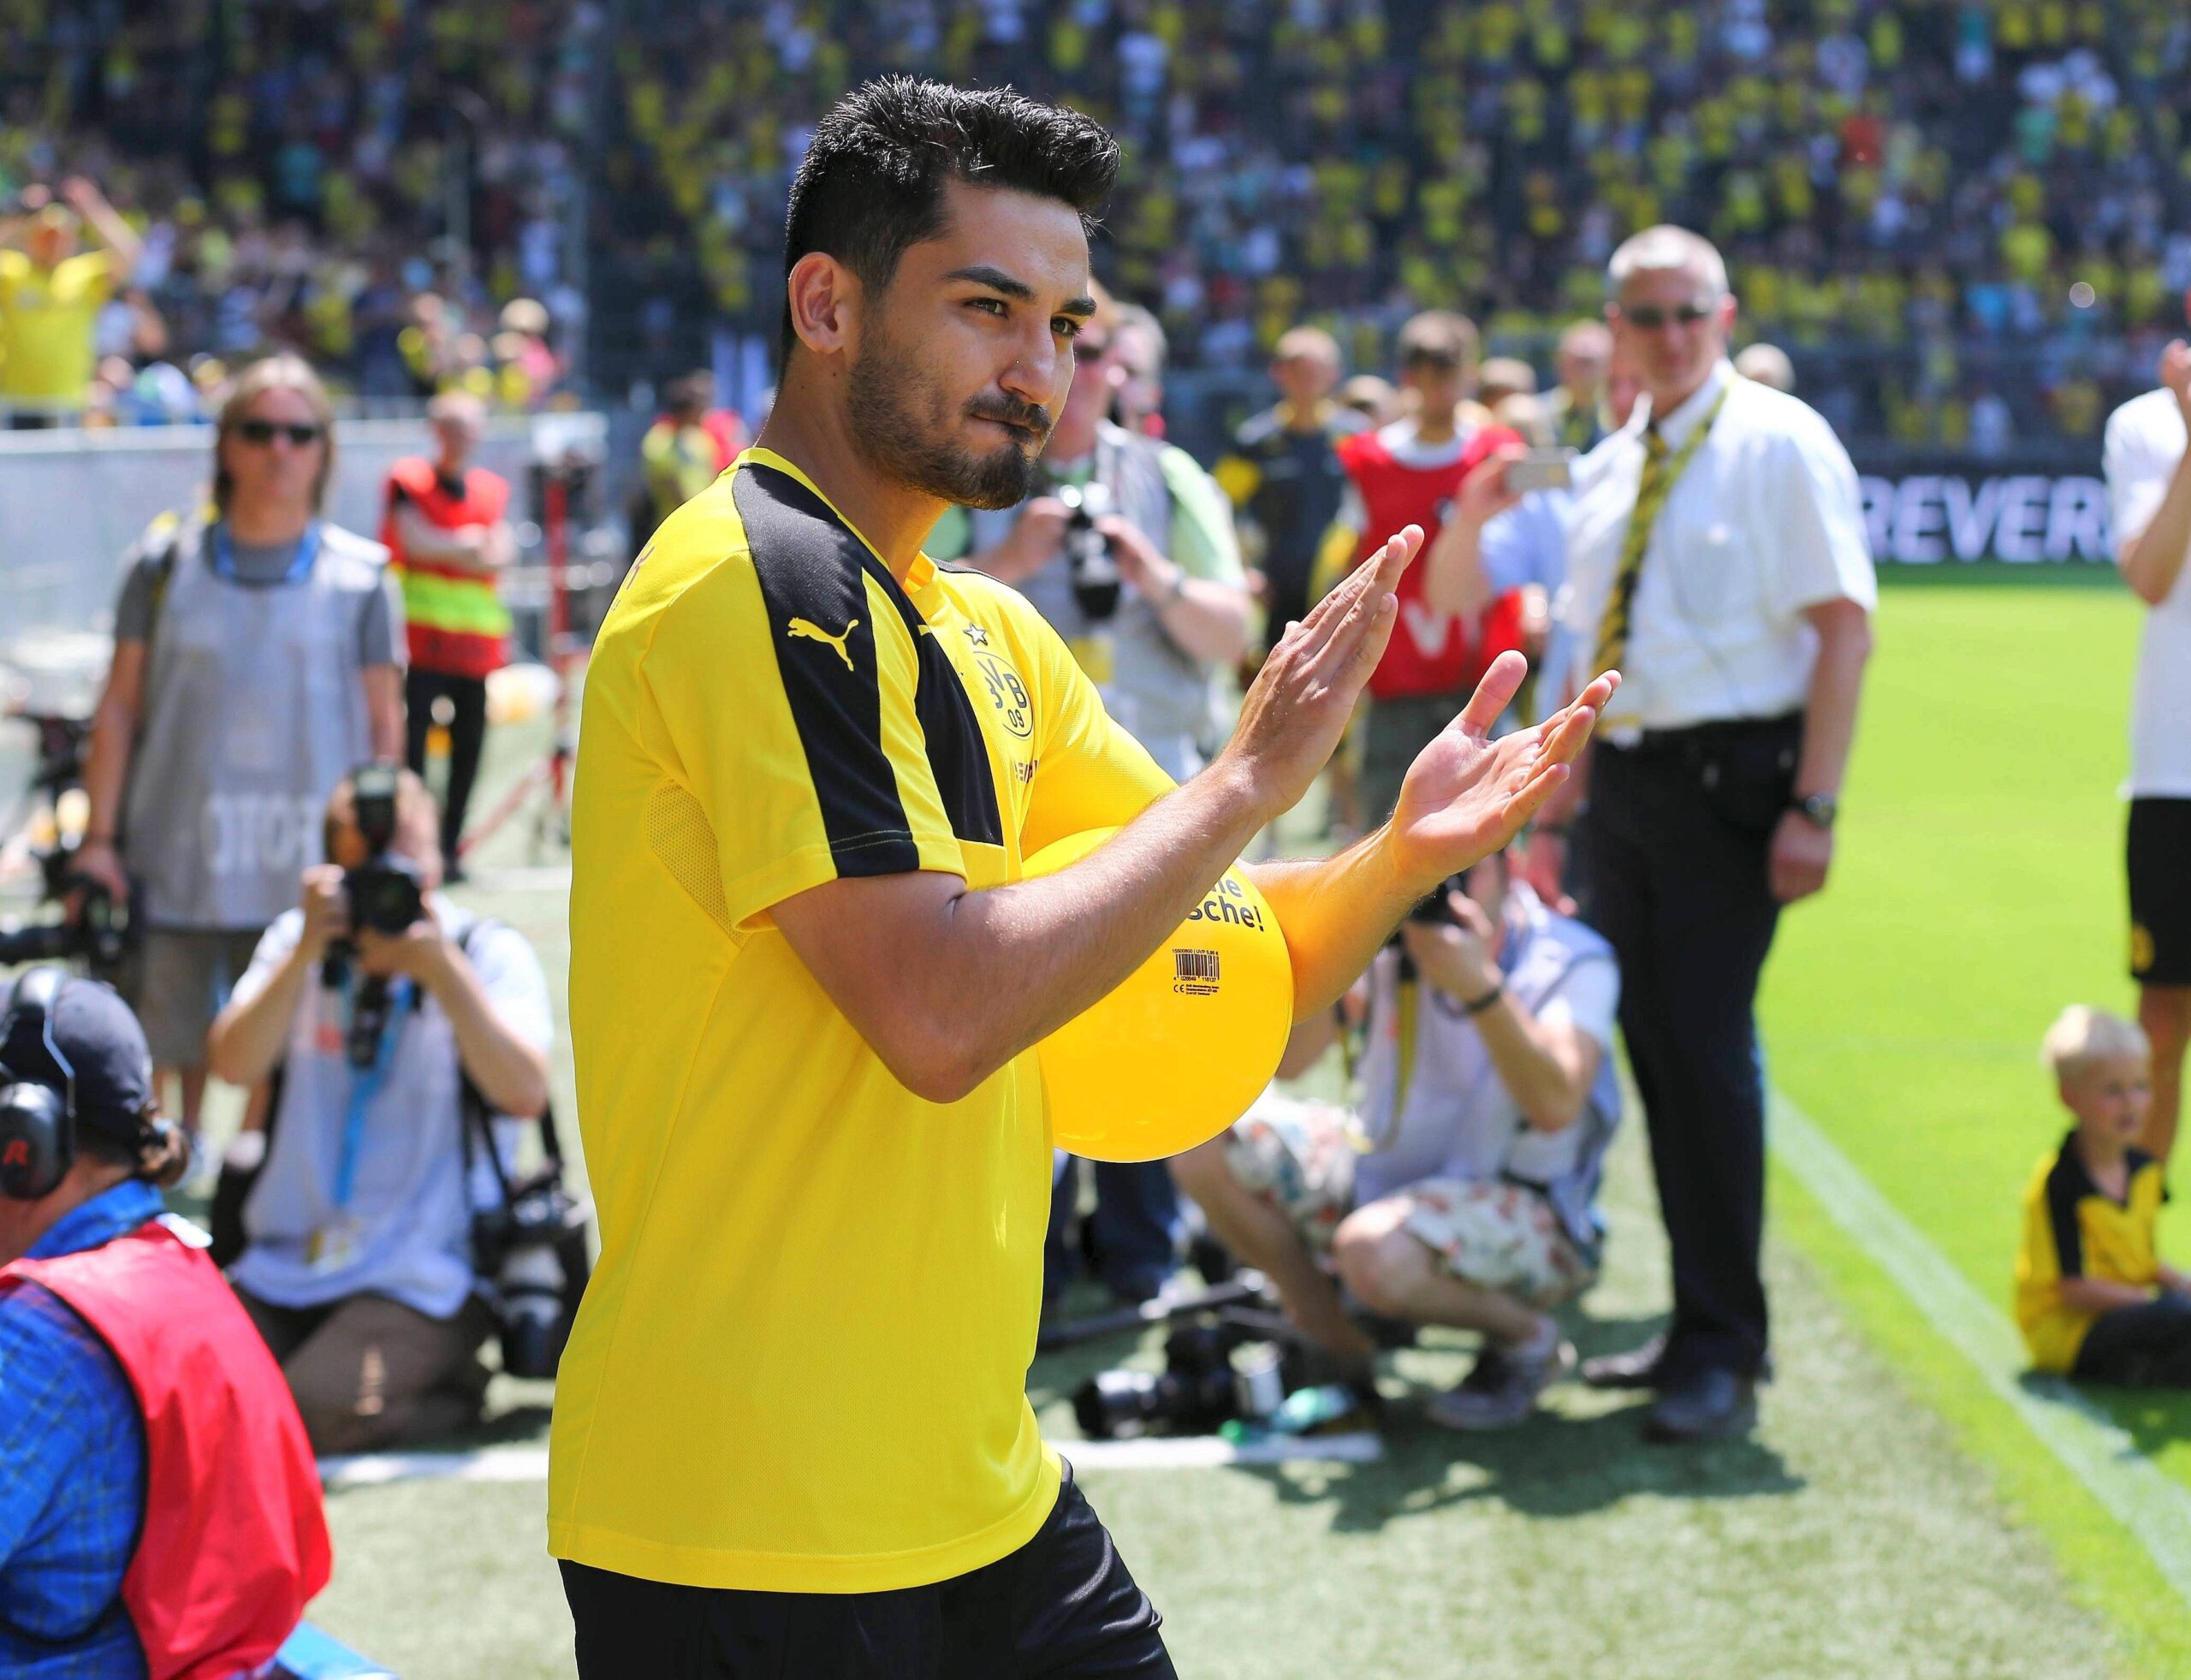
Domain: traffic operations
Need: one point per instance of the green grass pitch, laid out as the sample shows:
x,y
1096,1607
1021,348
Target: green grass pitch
x,y
1890,1517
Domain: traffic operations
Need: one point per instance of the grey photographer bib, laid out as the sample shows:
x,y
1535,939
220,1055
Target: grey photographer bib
x,y
1162,697
254,707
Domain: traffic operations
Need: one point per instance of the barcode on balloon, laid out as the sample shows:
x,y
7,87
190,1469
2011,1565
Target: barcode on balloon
x,y
1194,965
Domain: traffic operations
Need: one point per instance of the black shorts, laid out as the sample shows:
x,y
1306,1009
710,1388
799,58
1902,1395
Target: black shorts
x,y
2160,851
1061,1605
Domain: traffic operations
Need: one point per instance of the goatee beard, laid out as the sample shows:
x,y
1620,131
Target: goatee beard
x,y
898,422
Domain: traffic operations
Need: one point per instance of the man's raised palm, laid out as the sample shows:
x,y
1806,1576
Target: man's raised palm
x,y
1467,795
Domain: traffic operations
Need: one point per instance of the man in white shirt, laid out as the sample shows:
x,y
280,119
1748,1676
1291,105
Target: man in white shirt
x,y
1716,556
2149,506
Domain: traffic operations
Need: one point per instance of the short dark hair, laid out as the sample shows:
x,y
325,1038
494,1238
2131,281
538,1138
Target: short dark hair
x,y
1439,338
871,182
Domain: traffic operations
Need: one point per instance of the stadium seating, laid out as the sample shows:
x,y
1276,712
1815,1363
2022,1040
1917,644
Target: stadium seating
x,y
1960,218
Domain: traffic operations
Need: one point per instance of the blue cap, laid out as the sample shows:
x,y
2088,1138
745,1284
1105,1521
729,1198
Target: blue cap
x,y
99,1033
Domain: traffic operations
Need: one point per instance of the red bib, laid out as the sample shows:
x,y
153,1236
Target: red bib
x,y
1429,653
234,1543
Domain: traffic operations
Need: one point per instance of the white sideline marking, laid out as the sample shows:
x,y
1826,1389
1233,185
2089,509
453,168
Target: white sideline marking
x,y
2097,1450
1182,1452
492,1464
1155,1452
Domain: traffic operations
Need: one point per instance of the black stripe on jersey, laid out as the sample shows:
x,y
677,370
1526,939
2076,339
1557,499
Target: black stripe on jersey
x,y
809,576
2068,1184
958,756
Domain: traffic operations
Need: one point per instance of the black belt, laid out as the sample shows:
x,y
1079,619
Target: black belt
x,y
1706,738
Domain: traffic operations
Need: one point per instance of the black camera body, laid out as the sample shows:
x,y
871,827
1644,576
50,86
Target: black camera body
x,y
531,1253
1089,560
1200,1386
99,931
385,894
1433,911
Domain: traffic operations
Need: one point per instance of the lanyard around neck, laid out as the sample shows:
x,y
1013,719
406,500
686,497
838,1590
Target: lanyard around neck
x,y
365,1082
224,554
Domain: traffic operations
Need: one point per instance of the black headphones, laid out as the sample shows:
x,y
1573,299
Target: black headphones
x,y
38,1124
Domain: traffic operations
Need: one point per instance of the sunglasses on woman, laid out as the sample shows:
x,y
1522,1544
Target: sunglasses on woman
x,y
263,432
1649,317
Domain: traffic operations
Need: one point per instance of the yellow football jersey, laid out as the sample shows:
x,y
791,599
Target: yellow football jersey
x,y
800,1365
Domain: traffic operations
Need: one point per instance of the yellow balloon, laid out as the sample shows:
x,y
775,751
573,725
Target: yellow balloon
x,y
1178,1051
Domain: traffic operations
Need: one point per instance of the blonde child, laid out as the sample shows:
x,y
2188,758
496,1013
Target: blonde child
x,y
2092,1299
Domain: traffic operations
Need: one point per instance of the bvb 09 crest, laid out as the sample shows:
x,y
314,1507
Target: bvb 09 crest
x,y
1006,692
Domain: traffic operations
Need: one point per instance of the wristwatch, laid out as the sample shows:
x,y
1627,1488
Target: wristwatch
x,y
1817,809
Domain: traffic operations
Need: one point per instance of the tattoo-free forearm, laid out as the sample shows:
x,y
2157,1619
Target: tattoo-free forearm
x,y
1208,619
511,1073
1844,644
1548,1075
2154,558
1002,968
1452,569
250,1036
1335,912
2102,1295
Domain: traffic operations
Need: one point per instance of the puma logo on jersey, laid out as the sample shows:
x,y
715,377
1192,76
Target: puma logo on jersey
x,y
814,633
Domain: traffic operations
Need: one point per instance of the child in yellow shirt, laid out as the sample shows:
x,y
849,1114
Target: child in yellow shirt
x,y
2092,1299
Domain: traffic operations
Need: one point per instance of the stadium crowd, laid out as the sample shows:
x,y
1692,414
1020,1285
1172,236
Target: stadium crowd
x,y
1932,186
1960,218
382,189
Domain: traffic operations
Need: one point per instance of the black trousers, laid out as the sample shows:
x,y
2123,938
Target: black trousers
x,y
2147,1346
467,733
1063,1606
1671,858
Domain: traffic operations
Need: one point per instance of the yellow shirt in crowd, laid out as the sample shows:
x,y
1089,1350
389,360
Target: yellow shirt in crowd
x,y
800,1366
48,319
2074,1229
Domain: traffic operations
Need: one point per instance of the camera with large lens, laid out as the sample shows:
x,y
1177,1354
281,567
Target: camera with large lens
x,y
386,893
531,1252
1089,561
1216,1368
98,930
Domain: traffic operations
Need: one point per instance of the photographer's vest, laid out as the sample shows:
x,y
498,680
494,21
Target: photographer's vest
x,y
254,707
233,1541
455,620
1162,696
1450,1116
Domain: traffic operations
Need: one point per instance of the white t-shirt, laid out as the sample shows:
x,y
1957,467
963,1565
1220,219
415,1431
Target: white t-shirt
x,y
2146,439
1764,521
1458,1120
406,1229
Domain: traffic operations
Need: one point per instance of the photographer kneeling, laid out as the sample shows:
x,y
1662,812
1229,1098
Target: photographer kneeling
x,y
358,1265
1463,1192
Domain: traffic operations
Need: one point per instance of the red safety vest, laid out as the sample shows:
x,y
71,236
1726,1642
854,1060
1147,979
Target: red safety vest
x,y
454,620
234,1543
1429,653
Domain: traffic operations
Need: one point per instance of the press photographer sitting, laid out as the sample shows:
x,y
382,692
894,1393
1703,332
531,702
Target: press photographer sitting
x,y
159,1512
1463,1192
358,1264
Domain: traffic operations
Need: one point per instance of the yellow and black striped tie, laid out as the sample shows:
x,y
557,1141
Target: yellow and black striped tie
x,y
1659,476
1650,496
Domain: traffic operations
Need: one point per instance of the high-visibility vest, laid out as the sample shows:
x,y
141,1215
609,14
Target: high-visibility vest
x,y
455,621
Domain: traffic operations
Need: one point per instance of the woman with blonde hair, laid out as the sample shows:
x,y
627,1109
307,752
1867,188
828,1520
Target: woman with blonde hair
x,y
255,665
